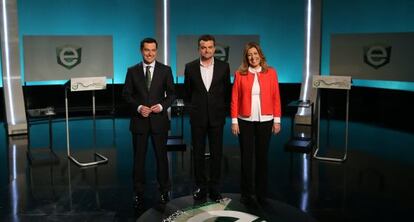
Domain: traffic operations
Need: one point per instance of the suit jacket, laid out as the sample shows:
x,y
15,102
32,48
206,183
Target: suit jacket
x,y
241,99
207,108
161,91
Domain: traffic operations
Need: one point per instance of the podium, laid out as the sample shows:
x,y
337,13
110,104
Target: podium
x,y
83,84
299,142
332,82
44,155
176,142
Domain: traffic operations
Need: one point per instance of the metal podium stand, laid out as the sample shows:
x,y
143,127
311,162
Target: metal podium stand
x,y
332,82
83,84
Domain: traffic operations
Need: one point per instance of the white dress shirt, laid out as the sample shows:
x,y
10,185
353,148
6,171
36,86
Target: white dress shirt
x,y
207,73
152,66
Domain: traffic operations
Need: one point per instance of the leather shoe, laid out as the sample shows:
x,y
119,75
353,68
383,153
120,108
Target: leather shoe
x,y
138,201
164,198
199,194
215,196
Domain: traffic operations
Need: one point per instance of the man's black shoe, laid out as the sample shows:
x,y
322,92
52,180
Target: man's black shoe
x,y
138,201
199,194
164,198
215,196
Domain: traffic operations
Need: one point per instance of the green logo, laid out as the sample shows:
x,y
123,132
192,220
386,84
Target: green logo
x,y
222,52
69,56
212,211
377,56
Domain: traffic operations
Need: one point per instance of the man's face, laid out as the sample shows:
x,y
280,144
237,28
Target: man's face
x,y
149,52
206,49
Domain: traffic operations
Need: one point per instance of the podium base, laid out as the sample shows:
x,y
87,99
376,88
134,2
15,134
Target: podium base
x,y
299,145
100,156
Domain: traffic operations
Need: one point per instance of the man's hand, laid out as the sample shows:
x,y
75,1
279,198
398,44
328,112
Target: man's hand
x,y
145,111
156,108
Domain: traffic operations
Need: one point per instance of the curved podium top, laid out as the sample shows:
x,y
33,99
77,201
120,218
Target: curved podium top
x,y
331,82
86,84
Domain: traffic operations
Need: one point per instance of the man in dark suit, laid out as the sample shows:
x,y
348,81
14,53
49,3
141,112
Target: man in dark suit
x,y
207,84
149,89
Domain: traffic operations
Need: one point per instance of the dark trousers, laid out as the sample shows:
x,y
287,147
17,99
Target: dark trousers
x,y
140,142
215,138
254,141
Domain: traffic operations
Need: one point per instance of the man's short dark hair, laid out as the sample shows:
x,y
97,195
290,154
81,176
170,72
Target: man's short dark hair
x,y
149,40
207,37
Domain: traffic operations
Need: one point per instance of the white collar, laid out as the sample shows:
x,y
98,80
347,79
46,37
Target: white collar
x,y
212,63
152,64
255,70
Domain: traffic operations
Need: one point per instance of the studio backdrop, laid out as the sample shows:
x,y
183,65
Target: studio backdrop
x,y
66,57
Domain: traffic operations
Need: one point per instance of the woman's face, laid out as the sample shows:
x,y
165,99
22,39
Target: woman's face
x,y
253,57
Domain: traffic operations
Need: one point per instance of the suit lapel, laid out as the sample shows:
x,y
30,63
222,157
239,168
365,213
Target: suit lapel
x,y
215,73
197,72
155,75
141,76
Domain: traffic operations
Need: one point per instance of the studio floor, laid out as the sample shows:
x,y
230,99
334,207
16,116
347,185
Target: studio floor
x,y
39,183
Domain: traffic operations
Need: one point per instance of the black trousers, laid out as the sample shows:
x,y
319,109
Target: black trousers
x,y
140,143
254,141
215,138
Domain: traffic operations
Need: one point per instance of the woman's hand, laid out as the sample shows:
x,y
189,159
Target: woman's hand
x,y
275,128
235,128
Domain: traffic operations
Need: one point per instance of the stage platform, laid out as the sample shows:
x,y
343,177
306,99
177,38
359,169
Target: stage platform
x,y
373,184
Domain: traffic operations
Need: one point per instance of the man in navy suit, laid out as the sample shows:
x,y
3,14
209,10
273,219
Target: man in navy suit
x,y
149,90
207,84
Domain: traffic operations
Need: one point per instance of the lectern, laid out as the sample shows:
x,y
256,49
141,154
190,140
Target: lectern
x,y
332,82
176,142
83,84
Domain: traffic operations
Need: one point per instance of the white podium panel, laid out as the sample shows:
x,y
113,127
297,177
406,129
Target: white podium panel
x,y
87,83
332,82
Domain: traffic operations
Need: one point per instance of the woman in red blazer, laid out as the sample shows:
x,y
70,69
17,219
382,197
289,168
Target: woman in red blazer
x,y
255,112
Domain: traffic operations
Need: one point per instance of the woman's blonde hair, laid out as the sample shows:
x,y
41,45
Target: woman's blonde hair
x,y
245,62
